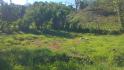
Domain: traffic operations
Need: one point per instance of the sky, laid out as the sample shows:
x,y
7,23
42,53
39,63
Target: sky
x,y
22,2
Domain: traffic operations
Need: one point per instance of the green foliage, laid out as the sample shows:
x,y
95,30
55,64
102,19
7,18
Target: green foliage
x,y
98,16
84,22
45,16
4,64
11,12
57,48
83,52
119,59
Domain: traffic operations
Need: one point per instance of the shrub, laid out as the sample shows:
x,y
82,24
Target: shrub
x,y
119,59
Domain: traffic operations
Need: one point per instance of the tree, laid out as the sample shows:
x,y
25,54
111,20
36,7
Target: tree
x,y
42,13
1,2
77,4
83,4
119,8
11,12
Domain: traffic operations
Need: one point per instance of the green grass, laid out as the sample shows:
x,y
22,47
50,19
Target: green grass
x,y
87,51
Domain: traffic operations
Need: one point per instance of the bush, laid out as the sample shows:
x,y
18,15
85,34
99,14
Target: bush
x,y
4,64
119,59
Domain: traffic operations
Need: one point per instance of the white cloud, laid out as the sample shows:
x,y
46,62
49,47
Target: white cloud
x,y
22,2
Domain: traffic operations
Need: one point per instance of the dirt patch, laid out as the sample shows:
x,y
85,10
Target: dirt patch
x,y
55,45
37,42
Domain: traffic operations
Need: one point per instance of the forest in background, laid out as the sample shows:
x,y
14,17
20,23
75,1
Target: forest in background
x,y
98,16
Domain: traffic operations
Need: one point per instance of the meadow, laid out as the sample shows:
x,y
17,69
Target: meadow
x,y
75,52
88,35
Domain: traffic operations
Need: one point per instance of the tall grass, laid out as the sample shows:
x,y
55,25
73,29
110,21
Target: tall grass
x,y
83,52
44,59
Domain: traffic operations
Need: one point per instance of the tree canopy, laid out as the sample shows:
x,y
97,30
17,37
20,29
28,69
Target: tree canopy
x,y
43,16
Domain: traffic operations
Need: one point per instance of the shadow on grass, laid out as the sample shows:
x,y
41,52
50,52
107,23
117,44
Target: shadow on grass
x,y
97,31
68,33
59,33
56,33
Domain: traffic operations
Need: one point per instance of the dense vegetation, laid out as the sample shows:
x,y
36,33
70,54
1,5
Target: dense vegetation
x,y
56,36
89,16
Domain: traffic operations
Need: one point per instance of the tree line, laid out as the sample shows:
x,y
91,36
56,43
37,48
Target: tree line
x,y
85,16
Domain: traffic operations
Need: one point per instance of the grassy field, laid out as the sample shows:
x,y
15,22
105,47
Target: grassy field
x,y
75,52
